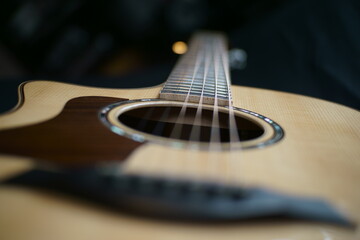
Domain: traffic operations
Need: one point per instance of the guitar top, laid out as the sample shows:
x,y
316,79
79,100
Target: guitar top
x,y
197,130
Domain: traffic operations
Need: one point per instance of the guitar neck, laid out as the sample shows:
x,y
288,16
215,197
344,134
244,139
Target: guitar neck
x,y
202,74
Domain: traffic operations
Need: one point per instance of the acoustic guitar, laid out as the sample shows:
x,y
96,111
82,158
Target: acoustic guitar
x,y
194,158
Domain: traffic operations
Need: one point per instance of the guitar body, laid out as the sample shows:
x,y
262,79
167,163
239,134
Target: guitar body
x,y
318,156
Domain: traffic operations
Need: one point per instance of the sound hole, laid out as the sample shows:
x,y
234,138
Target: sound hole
x,y
164,122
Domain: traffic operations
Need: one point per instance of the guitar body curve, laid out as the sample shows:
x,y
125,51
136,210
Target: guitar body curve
x,y
318,156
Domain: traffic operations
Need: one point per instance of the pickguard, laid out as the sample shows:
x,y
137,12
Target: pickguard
x,y
76,137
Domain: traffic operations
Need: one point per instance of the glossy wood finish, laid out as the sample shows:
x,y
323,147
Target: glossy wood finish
x,y
318,157
75,137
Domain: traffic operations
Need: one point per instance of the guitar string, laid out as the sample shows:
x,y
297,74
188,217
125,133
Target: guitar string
x,y
215,147
160,123
187,162
215,130
195,152
195,134
149,112
177,130
178,125
215,143
216,153
196,126
234,151
178,68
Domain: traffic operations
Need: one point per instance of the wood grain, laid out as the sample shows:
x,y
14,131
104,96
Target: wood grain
x,y
73,138
319,157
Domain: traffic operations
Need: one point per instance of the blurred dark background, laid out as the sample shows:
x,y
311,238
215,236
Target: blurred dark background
x,y
301,46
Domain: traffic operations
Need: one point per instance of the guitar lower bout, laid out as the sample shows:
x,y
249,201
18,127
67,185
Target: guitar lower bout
x,y
318,156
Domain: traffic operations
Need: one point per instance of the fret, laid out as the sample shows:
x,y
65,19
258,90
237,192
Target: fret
x,y
199,81
208,79
194,77
197,85
189,73
182,96
185,66
197,94
197,89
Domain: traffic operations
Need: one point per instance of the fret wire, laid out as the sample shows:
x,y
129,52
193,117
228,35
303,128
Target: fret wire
x,y
195,93
192,51
196,87
224,85
210,86
183,80
189,76
188,82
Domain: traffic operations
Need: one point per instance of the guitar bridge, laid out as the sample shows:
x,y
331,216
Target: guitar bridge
x,y
179,199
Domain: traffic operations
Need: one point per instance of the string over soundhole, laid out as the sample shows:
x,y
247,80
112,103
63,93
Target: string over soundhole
x,y
164,122
169,123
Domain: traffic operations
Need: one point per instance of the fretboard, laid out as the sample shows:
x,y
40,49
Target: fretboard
x,y
202,74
